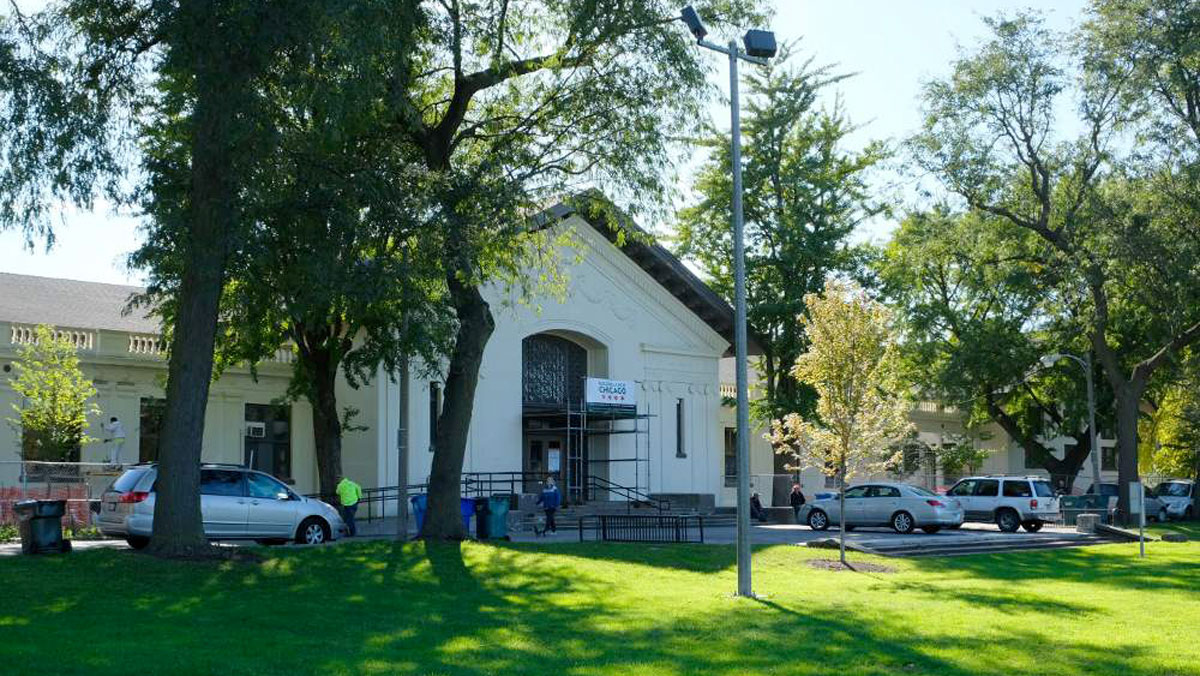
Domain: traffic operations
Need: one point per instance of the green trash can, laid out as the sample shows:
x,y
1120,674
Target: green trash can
x,y
497,517
40,524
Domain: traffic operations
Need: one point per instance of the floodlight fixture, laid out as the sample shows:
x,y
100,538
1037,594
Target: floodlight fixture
x,y
694,24
760,43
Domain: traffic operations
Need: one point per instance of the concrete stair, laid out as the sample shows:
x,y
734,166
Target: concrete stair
x,y
985,545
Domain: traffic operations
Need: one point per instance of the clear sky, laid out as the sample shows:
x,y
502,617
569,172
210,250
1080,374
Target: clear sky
x,y
892,46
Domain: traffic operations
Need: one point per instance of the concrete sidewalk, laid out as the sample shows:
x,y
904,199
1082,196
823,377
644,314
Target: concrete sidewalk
x,y
970,535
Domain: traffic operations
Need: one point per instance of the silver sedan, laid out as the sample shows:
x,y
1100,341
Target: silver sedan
x,y
903,507
235,503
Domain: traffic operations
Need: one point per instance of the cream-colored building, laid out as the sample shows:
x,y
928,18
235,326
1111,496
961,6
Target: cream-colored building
x,y
632,314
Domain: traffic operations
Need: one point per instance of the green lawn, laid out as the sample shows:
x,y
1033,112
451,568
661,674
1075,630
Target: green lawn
x,y
379,608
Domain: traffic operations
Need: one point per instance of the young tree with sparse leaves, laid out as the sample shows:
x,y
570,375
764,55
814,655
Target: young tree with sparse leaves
x,y
55,398
859,418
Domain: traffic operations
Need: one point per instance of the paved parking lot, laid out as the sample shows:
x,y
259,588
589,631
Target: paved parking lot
x,y
969,538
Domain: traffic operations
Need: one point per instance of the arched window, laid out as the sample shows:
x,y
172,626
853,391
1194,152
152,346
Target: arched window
x,y
553,371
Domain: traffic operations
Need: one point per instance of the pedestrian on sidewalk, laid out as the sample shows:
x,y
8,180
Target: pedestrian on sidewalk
x,y
349,493
796,498
116,434
756,508
550,499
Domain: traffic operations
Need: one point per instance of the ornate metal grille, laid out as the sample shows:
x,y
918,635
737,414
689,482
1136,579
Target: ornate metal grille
x,y
553,370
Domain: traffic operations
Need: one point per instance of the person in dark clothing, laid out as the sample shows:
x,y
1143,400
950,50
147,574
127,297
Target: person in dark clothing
x,y
550,499
796,498
756,508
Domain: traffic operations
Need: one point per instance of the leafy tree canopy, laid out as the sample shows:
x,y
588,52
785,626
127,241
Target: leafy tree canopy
x,y
804,195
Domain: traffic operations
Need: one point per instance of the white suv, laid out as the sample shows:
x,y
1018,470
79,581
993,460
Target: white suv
x,y
1009,502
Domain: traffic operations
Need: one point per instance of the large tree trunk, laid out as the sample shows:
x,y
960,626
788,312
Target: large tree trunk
x,y
475,326
1073,461
1128,402
327,428
1063,471
178,528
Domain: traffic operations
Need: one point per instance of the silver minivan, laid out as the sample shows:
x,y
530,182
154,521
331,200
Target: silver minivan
x,y
236,503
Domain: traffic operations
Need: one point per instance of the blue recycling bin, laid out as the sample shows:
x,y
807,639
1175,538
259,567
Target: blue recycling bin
x,y
418,507
421,502
466,507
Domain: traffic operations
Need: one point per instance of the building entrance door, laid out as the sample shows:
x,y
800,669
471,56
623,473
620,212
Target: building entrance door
x,y
543,454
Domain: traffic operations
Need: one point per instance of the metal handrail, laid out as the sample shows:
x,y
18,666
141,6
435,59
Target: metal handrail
x,y
481,484
486,484
380,494
631,495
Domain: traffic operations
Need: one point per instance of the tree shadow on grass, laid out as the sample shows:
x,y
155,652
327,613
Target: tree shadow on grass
x,y
1010,602
695,558
471,610
1109,566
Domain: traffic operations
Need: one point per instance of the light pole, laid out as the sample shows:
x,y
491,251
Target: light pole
x,y
1086,363
759,46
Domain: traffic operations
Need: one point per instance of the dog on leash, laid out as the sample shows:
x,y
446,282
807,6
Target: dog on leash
x,y
539,526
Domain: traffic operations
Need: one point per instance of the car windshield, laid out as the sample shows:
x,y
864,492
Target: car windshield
x,y
1043,489
1173,489
922,491
129,479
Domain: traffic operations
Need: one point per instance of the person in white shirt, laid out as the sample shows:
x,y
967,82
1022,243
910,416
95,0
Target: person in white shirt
x,y
116,433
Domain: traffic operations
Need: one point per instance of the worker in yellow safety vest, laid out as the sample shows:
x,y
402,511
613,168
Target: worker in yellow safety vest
x,y
349,493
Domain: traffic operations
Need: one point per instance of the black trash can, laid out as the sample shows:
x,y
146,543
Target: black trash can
x,y
40,524
481,518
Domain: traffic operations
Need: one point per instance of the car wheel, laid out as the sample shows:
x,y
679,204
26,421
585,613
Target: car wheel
x,y
931,529
1032,526
137,541
1008,520
902,523
312,531
818,520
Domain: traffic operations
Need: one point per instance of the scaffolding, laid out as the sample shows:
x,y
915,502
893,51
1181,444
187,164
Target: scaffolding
x,y
579,424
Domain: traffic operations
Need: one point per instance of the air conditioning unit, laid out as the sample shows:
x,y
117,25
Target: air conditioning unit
x,y
256,430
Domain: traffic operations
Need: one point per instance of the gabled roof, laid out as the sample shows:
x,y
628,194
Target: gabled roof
x,y
642,248
28,299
